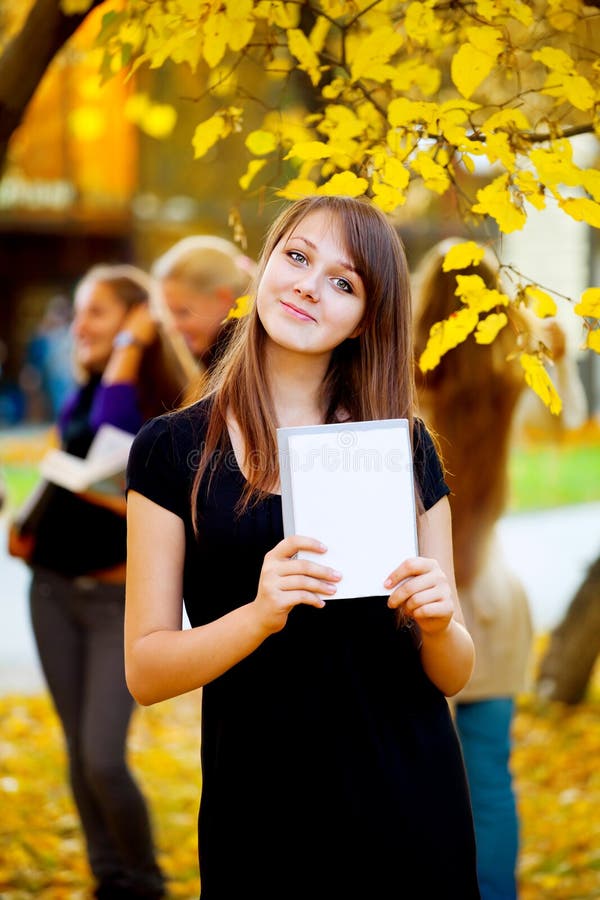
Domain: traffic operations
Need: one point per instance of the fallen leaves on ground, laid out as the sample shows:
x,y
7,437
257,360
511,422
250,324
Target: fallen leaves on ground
x,y
555,762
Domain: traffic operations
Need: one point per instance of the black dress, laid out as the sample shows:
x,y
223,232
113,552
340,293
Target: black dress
x,y
330,764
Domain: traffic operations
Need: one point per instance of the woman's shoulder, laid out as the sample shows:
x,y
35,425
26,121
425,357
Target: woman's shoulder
x,y
174,433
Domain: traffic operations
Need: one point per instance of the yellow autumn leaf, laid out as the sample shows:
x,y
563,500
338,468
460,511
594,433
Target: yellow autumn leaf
x,y
520,11
434,176
373,51
239,14
299,46
593,340
446,335
591,182
554,59
242,307
497,147
310,150
402,112
420,21
555,166
487,9
473,62
539,381
217,31
254,167
488,328
509,119
563,15
582,209
395,173
208,133
297,188
341,123
543,304
589,303
261,142
530,189
462,255
495,200
411,72
346,183
574,88
472,290
469,68
386,197
318,34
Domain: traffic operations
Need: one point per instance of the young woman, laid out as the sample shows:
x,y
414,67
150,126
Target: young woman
x,y
199,279
472,399
330,763
127,373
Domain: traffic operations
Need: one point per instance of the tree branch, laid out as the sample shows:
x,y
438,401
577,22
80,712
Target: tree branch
x,y
26,58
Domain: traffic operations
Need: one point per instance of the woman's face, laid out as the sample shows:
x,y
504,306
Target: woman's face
x,y
310,298
99,315
196,315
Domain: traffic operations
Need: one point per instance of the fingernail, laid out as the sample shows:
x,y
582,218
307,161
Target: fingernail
x,y
387,582
335,573
330,588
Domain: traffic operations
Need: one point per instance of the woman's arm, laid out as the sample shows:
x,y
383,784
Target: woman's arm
x,y
161,659
425,588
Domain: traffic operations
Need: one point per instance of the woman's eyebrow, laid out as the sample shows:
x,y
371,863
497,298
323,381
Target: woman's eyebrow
x,y
340,262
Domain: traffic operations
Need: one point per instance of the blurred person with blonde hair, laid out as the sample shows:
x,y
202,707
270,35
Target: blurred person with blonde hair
x,y
200,278
127,372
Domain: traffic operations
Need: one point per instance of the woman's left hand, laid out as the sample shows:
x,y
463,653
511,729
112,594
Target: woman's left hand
x,y
422,590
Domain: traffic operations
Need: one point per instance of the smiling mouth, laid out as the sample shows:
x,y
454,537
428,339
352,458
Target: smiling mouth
x,y
297,312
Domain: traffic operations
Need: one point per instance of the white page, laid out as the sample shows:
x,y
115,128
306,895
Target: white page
x,y
353,490
107,456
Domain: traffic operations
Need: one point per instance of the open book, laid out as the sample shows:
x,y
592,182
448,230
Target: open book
x,y
102,469
350,485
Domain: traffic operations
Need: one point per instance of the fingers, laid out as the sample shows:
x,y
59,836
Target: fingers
x,y
421,588
288,547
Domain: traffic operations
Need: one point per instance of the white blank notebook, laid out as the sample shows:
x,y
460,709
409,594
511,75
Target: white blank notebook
x,y
350,486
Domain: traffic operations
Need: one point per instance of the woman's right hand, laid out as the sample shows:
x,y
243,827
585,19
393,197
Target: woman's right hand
x,y
140,322
286,581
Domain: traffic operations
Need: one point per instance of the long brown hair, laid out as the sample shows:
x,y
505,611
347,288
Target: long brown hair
x,y
369,376
469,401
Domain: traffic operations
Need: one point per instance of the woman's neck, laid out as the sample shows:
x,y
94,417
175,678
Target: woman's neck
x,y
295,382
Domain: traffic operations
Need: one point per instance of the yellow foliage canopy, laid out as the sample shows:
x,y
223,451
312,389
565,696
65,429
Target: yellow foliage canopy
x,y
383,119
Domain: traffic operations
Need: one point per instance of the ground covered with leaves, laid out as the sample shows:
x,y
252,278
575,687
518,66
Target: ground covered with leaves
x,y
557,749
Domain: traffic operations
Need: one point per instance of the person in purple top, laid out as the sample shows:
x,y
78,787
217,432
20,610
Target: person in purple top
x,y
127,372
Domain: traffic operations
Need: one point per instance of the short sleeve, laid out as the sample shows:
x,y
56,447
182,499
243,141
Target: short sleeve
x,y
427,466
153,469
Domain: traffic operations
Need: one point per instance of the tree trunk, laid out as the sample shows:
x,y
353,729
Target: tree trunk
x,y
569,661
25,59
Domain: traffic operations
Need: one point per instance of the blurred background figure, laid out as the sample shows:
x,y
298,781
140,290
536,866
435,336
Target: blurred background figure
x,y
199,280
47,374
471,400
127,372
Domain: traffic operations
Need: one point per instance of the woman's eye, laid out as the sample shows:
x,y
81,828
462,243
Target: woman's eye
x,y
297,256
343,285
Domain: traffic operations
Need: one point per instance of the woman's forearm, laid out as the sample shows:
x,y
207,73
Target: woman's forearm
x,y
166,663
448,657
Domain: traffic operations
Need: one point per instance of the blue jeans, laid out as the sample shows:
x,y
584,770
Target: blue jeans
x,y
484,730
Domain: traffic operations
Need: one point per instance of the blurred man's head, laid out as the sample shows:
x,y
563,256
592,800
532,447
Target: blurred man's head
x,y
199,280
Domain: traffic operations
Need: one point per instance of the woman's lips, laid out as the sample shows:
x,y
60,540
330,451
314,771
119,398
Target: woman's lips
x,y
297,313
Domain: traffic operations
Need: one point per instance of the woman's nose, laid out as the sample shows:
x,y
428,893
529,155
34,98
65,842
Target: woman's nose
x,y
307,287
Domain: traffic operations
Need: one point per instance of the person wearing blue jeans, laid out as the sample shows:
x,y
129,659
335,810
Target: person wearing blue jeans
x,y
484,730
